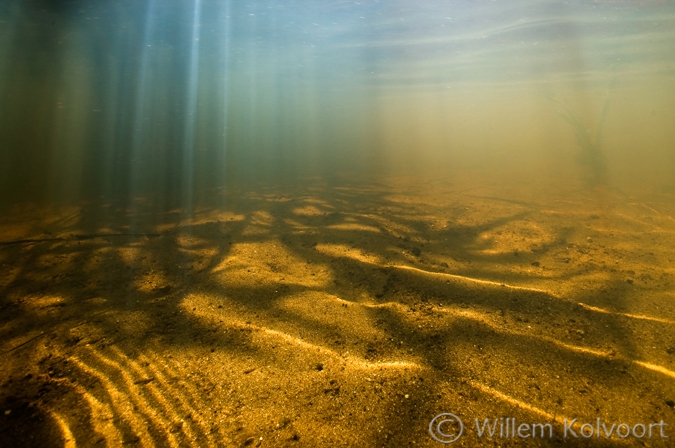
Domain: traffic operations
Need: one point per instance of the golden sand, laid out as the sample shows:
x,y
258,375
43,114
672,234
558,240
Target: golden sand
x,y
345,315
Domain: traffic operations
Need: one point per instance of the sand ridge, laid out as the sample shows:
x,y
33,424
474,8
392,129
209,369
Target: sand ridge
x,y
338,315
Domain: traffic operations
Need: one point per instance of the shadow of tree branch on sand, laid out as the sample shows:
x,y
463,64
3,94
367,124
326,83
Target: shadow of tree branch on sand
x,y
367,308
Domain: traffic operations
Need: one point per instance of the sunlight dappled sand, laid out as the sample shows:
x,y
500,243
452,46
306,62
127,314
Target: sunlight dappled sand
x,y
321,320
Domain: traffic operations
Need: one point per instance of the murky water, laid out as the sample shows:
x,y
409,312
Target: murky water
x,y
325,222
179,97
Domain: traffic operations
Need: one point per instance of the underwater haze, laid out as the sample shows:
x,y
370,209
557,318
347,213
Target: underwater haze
x,y
178,97
337,223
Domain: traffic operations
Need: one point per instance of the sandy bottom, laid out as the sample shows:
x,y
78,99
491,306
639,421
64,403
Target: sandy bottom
x,y
342,315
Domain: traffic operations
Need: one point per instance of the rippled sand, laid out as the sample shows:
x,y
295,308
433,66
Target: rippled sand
x,y
338,315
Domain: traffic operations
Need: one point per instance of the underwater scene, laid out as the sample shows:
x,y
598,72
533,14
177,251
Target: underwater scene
x,y
301,223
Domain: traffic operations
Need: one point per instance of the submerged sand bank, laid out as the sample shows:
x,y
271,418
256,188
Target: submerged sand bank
x,y
340,315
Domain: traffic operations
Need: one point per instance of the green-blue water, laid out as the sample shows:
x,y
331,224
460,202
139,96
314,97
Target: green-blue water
x,y
118,99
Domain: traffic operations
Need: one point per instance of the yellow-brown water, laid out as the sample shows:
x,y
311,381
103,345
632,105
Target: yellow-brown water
x,y
324,224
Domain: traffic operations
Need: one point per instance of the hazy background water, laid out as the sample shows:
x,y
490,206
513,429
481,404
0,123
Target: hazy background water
x,y
179,98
